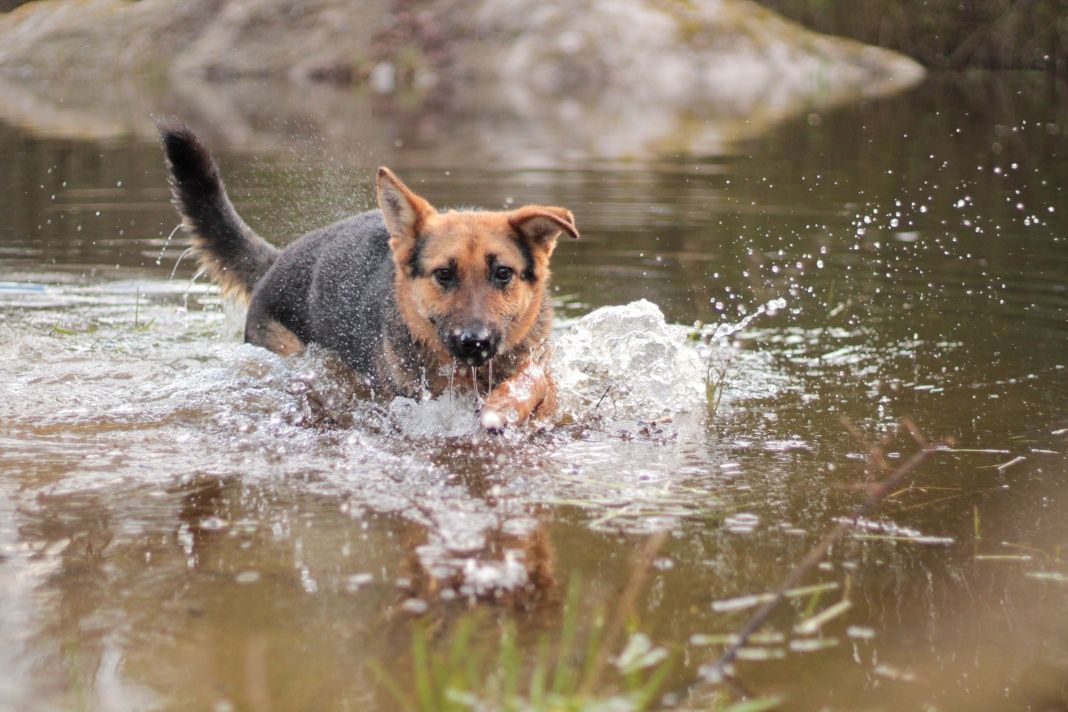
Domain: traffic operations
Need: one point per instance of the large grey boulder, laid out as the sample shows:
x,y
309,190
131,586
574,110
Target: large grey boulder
x,y
603,77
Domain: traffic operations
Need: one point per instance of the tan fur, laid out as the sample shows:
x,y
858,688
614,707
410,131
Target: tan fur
x,y
230,285
283,341
531,392
272,335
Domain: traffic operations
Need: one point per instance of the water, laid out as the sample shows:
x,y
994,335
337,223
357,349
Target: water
x,y
191,522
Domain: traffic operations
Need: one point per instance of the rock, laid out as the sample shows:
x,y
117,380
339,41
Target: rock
x,y
599,77
681,51
101,40
299,40
98,40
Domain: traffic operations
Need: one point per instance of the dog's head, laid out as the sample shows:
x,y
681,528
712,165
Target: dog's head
x,y
469,283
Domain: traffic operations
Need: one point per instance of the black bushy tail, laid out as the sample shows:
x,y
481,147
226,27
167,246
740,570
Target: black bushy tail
x,y
227,249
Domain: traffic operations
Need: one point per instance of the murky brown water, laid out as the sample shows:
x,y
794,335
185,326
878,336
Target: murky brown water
x,y
181,530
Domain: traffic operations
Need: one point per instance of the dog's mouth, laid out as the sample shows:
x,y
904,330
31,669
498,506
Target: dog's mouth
x,y
474,345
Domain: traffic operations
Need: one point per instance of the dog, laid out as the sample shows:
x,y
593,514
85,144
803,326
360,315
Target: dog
x,y
413,300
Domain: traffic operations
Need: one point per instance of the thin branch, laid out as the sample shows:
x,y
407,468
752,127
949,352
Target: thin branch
x,y
639,574
598,404
875,451
915,433
716,671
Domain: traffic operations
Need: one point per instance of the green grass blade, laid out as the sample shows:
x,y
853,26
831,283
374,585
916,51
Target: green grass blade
x,y
424,683
564,676
509,667
539,677
392,686
644,698
593,643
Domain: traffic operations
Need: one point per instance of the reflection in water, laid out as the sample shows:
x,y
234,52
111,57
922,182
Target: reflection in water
x,y
192,522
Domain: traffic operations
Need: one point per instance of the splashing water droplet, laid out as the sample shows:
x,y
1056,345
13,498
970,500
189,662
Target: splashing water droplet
x,y
166,244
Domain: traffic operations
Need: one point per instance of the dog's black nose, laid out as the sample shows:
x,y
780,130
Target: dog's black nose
x,y
474,346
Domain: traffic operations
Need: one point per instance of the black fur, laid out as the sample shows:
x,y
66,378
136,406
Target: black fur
x,y
528,259
235,255
415,262
334,287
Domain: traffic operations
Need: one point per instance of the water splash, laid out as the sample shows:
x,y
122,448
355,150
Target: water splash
x,y
182,397
166,244
722,331
631,361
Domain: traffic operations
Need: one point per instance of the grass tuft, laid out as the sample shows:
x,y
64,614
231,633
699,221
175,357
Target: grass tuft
x,y
466,672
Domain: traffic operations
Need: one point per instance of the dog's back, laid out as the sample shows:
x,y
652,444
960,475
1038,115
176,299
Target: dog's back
x,y
333,288
338,275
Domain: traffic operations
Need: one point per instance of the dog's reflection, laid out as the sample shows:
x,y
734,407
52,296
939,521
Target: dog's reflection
x,y
511,564
514,569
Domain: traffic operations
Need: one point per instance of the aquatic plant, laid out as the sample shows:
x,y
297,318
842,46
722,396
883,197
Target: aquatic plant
x,y
573,669
568,670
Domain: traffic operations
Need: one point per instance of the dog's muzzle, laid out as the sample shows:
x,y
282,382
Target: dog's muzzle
x,y
474,345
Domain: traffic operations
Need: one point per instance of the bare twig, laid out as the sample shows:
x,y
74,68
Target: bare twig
x,y
639,574
876,460
974,451
1006,465
598,404
915,433
716,671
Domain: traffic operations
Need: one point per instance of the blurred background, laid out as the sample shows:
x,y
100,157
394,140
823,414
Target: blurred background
x,y
948,35
942,34
865,200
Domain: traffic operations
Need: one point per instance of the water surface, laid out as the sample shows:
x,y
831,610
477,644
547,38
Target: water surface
x,y
189,522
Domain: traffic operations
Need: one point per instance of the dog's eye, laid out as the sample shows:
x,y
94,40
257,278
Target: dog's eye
x,y
444,276
503,275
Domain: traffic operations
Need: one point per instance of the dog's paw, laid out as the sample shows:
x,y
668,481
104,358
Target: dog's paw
x,y
493,421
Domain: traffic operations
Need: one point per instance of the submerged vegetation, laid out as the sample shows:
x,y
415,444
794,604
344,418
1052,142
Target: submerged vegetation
x,y
460,671
467,671
592,662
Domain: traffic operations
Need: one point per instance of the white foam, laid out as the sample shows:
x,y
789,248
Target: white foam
x,y
451,415
629,354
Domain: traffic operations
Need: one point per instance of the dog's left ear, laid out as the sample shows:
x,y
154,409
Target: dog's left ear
x,y
542,224
404,211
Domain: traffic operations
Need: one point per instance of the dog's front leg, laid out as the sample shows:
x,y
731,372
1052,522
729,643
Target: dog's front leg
x,y
530,392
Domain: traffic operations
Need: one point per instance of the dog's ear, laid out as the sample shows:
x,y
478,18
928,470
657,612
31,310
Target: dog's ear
x,y
542,224
404,211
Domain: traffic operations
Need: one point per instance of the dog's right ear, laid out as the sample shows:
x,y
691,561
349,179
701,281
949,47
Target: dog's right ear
x,y
404,211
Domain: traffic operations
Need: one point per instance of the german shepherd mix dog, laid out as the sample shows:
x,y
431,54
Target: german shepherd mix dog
x,y
413,299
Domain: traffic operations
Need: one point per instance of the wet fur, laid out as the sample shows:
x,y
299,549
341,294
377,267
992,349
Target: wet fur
x,y
363,287
227,249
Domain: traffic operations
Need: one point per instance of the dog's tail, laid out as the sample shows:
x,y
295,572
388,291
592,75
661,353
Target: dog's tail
x,y
226,248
